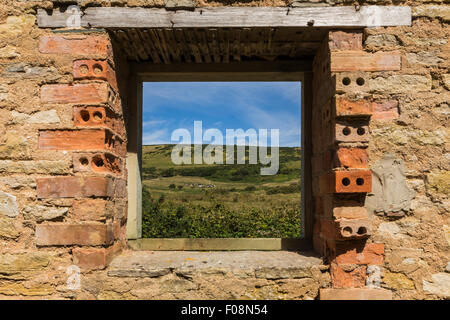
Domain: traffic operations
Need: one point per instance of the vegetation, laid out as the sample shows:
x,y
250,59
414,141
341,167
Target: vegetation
x,y
217,201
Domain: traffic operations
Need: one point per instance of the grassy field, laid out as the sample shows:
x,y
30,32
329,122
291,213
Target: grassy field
x,y
201,201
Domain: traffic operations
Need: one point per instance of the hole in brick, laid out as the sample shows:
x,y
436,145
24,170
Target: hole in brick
x,y
98,69
360,81
347,231
85,115
346,131
361,131
362,231
98,162
360,181
84,161
84,69
98,116
346,81
346,181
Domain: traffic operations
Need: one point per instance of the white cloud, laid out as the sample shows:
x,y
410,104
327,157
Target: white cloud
x,y
160,136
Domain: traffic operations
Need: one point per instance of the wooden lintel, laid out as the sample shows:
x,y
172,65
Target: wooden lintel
x,y
291,70
223,17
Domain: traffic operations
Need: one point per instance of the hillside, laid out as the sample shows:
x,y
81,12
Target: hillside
x,y
201,200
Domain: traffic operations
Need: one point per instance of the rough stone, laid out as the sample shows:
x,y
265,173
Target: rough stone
x,y
43,213
446,79
446,233
15,289
381,40
9,52
390,229
49,116
16,26
30,261
447,268
8,229
8,204
398,281
282,273
439,286
390,193
180,4
401,84
18,182
438,181
38,166
428,58
24,71
14,145
432,11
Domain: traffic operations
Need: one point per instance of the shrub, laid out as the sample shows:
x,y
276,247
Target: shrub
x,y
170,220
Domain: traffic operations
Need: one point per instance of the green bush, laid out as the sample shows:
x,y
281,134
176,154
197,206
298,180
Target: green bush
x,y
169,220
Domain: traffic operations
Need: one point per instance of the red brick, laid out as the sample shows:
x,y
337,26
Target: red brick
x,y
351,83
59,234
98,117
348,279
74,187
340,40
94,70
76,45
360,253
83,140
355,294
82,93
350,213
385,110
343,181
346,229
91,210
345,107
121,190
361,61
95,258
90,258
97,163
351,158
351,131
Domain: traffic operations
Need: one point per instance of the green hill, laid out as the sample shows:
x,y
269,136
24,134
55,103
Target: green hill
x,y
206,201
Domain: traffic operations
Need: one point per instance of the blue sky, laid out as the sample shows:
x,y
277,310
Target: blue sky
x,y
223,105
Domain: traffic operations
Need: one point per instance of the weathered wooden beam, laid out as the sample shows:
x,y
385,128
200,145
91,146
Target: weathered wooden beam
x,y
235,67
234,71
218,17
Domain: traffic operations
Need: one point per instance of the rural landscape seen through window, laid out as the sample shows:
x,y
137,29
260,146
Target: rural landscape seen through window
x,y
200,181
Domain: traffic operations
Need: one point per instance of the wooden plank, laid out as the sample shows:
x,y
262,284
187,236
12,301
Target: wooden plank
x,y
213,43
137,43
346,16
121,37
247,67
150,46
179,37
219,244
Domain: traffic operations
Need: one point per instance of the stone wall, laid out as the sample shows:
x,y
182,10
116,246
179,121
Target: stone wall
x,y
64,204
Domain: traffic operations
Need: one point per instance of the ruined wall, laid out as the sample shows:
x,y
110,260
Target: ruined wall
x,y
64,204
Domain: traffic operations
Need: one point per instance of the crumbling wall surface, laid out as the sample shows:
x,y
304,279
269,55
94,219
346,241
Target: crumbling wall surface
x,y
63,196
394,83
63,192
413,126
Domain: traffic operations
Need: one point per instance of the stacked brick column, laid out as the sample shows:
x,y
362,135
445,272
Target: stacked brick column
x,y
95,229
342,108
